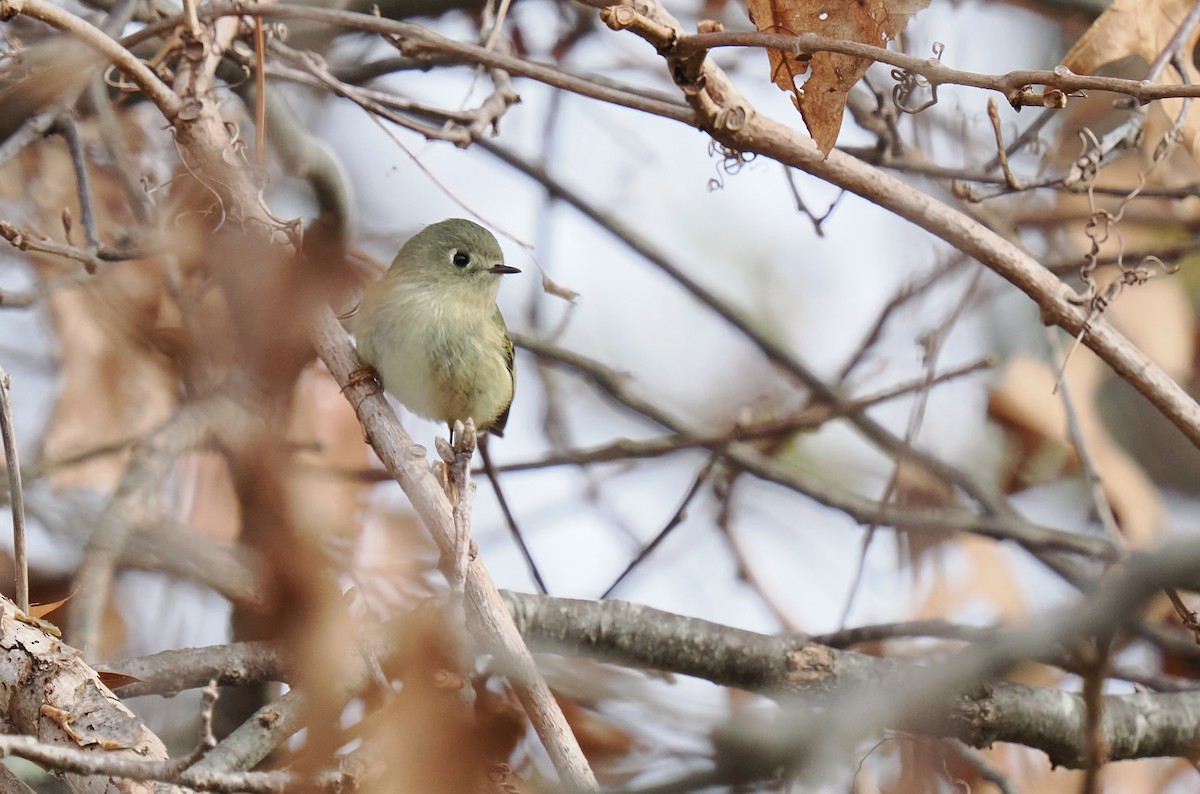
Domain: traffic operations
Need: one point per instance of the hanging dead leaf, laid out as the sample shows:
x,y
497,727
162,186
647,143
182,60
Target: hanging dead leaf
x,y
1023,402
1143,28
1127,27
820,82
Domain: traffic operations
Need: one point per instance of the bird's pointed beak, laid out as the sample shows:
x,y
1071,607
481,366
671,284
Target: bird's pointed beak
x,y
501,270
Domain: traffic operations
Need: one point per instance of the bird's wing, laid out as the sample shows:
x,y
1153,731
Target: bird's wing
x,y
509,360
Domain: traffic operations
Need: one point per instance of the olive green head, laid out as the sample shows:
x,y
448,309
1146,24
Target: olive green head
x,y
452,251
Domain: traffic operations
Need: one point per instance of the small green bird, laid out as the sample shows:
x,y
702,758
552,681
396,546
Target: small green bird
x,y
432,331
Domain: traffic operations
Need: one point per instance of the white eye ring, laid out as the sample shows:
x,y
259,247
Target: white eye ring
x,y
460,258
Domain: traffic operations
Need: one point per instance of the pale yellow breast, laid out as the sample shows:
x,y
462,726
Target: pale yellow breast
x,y
443,359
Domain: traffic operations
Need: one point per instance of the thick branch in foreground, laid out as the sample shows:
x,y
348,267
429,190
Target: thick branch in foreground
x,y
49,693
974,708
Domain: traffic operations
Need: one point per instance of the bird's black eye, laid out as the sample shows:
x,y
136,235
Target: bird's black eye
x,y
461,259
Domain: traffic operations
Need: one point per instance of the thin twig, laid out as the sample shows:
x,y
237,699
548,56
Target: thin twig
x,y
908,292
982,766
309,73
16,496
113,137
260,99
71,759
69,130
776,352
811,418
361,73
25,240
1039,540
489,112
1100,504
1028,135
933,342
1016,86
1001,153
912,164
206,742
1186,614
509,519
678,518
260,735
32,129
816,220
425,40
745,571
1094,752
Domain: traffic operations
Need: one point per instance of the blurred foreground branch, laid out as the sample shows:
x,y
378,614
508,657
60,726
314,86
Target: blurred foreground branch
x,y
952,694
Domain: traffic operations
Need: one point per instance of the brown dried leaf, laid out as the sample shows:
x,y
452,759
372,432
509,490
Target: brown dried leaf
x,y
117,680
116,378
1127,27
1143,28
821,99
114,386
437,740
42,610
1023,401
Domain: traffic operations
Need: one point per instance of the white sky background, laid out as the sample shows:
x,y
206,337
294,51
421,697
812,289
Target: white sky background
x,y
747,242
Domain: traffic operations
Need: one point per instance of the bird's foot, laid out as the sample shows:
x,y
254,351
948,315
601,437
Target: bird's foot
x,y
364,374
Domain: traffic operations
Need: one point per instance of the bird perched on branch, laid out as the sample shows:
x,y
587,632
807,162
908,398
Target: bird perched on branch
x,y
431,330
